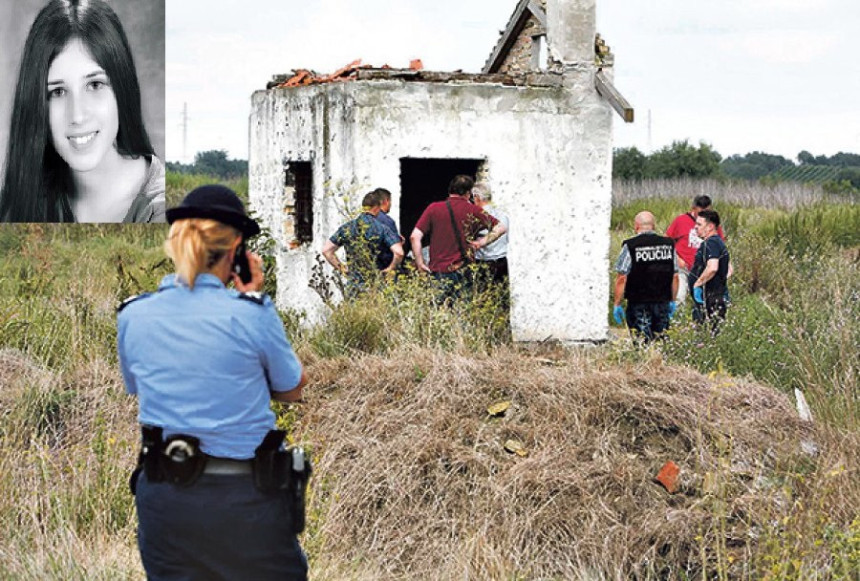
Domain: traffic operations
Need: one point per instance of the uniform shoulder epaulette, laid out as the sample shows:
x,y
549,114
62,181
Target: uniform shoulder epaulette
x,y
254,297
130,300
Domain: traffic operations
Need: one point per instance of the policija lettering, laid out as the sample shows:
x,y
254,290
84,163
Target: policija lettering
x,y
652,253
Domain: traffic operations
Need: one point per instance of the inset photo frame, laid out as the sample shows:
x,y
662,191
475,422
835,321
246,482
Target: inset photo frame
x,y
82,92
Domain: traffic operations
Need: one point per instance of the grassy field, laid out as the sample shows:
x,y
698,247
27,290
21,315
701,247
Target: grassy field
x,y
412,479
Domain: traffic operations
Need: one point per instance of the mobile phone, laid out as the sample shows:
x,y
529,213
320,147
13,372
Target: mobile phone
x,y
240,264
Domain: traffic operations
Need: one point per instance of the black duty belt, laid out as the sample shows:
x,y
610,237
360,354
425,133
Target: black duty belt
x,y
179,460
227,466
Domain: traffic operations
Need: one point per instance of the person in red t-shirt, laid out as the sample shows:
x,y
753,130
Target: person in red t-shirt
x,y
453,227
683,231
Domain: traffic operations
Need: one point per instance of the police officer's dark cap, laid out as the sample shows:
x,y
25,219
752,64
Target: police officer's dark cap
x,y
215,202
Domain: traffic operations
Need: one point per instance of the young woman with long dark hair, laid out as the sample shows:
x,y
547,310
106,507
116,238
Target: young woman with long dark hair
x,y
78,149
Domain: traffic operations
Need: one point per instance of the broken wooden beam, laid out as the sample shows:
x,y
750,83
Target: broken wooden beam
x,y
606,89
538,12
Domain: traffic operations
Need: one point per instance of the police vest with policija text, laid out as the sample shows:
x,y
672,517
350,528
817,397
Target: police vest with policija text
x,y
652,269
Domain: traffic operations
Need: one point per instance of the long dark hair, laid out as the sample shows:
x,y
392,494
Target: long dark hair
x,y
38,183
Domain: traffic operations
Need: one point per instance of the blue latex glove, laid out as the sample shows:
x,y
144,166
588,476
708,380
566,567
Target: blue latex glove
x,y
699,295
618,314
673,306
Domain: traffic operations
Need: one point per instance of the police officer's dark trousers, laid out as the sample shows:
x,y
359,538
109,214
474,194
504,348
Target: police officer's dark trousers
x,y
221,527
648,319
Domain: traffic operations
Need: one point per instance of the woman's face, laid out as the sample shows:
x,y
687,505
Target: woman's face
x,y
83,114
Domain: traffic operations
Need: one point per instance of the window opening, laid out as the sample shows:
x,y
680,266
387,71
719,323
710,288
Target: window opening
x,y
298,200
540,56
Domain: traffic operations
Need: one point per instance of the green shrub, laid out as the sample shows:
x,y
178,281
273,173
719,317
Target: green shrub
x,y
750,342
813,229
179,184
353,326
410,311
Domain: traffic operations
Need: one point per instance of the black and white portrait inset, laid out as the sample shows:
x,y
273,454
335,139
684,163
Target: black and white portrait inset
x,y
82,111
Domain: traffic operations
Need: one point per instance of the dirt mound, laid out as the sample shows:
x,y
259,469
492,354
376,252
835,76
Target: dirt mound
x,y
413,480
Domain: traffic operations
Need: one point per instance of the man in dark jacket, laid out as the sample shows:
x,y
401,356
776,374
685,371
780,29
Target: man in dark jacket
x,y
711,269
370,246
647,270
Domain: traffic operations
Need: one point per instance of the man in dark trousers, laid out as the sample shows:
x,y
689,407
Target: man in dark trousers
x,y
647,270
453,227
711,269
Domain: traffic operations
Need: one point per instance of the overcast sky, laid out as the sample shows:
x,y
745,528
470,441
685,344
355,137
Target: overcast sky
x,y
777,76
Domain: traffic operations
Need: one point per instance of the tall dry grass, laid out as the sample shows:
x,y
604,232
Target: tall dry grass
x,y
784,194
66,443
414,481
67,435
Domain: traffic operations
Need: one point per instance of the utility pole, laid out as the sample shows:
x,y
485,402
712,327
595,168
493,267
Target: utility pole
x,y
184,133
649,131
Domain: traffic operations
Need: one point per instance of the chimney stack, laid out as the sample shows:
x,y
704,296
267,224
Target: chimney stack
x,y
571,26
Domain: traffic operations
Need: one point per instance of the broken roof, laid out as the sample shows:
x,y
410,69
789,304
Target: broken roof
x,y
350,72
355,71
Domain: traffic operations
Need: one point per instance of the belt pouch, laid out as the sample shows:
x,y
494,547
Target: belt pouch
x,y
148,458
182,460
150,454
271,464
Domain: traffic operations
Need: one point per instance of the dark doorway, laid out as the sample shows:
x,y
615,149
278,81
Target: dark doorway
x,y
425,180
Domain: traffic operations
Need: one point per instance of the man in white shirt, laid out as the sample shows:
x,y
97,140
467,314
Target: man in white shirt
x,y
495,254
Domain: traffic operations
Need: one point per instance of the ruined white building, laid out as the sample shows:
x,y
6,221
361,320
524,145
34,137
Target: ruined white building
x,y
536,124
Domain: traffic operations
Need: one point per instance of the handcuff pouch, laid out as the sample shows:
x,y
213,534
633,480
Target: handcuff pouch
x,y
182,460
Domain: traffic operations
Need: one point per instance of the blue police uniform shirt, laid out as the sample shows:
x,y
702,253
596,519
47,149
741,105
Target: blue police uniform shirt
x,y
202,363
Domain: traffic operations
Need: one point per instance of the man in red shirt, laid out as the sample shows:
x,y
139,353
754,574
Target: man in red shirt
x,y
683,231
453,227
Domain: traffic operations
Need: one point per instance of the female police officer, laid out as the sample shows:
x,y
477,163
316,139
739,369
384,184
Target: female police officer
x,y
204,362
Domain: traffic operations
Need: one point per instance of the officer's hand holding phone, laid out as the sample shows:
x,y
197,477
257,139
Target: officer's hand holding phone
x,y
247,272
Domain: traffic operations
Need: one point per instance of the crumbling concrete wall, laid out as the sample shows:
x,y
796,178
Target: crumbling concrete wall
x,y
548,154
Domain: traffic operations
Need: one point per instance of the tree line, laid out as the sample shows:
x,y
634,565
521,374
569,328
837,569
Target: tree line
x,y
214,163
839,172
